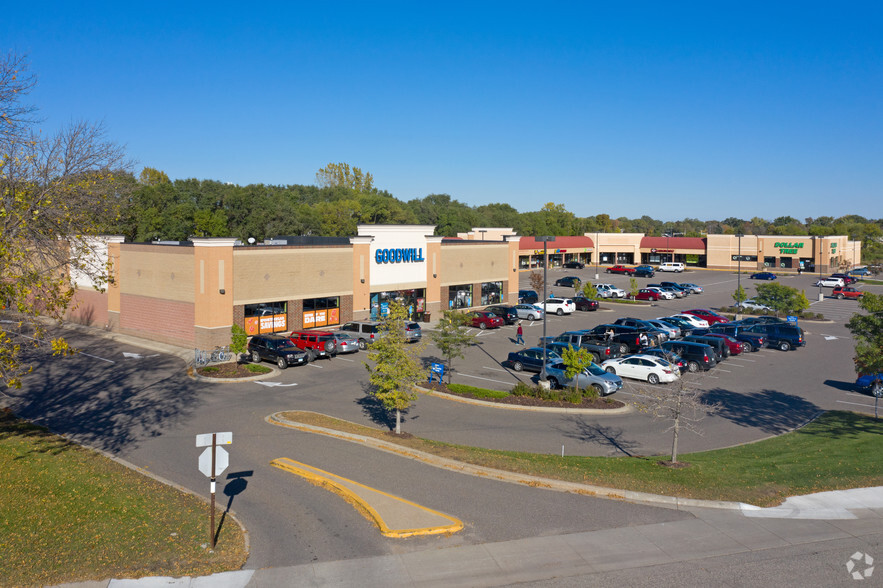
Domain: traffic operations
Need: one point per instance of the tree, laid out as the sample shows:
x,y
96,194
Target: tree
x,y
58,193
739,295
590,291
396,368
536,282
868,332
576,361
782,299
633,287
341,174
452,337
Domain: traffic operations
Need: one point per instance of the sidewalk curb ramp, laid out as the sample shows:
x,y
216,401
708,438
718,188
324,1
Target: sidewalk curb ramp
x,y
395,516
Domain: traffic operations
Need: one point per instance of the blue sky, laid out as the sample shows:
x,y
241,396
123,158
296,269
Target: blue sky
x,y
673,110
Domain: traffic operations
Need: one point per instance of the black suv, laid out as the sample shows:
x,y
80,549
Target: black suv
x,y
569,281
698,356
721,349
528,297
782,336
276,348
505,312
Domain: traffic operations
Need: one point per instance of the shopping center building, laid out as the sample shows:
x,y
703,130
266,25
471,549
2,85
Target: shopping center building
x,y
190,293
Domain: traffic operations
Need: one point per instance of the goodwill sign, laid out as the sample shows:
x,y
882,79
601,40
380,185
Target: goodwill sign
x,y
401,255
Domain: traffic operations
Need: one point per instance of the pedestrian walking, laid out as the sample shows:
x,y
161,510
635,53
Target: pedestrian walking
x,y
519,334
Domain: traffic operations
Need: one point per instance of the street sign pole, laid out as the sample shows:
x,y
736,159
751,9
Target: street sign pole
x,y
213,461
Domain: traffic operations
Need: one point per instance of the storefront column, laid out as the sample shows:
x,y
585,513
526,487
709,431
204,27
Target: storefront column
x,y
213,291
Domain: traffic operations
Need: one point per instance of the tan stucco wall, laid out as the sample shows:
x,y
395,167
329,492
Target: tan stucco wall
x,y
157,271
285,273
465,263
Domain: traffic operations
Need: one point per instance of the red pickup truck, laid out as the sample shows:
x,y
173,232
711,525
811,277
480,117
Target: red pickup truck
x,y
620,269
847,292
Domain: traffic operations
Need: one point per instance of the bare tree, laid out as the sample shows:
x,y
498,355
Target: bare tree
x,y
536,281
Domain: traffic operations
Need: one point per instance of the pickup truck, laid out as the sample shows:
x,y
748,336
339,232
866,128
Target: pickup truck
x,y
628,338
620,269
600,349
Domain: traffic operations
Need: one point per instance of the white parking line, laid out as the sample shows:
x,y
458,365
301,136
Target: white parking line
x,y
856,404
495,369
735,364
722,370
485,379
78,353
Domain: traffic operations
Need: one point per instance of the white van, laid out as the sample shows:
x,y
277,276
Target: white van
x,y
671,266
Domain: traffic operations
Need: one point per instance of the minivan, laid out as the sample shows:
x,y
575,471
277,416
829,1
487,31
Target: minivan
x,y
672,266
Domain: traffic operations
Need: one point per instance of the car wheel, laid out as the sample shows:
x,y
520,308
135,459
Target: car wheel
x,y
785,346
311,355
877,390
726,352
596,358
256,357
553,383
693,367
840,297
623,349
559,312
746,346
653,379
531,317
610,370
363,344
482,326
330,348
282,363
517,366
598,389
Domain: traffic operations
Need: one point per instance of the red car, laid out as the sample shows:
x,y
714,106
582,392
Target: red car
x,y
847,292
645,294
620,269
709,316
486,320
734,345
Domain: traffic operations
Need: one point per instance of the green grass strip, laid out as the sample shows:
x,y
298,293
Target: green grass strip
x,y
477,392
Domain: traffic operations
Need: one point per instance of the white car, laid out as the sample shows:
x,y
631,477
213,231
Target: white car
x,y
531,312
663,295
694,320
642,367
831,282
753,305
559,306
609,291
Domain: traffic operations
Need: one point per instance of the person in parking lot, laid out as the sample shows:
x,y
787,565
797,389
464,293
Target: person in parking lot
x,y
519,334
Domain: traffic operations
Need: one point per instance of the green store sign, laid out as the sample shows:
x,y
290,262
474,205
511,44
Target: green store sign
x,y
788,248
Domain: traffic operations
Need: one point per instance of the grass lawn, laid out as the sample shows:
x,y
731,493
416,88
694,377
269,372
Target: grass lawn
x,y
839,450
70,514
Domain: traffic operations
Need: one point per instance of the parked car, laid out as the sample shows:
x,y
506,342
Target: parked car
x,y
485,320
505,312
697,322
620,269
647,294
530,359
628,338
750,341
609,291
583,303
709,316
734,345
672,330
655,335
672,358
365,332
677,293
672,266
721,349
692,287
413,332
698,356
528,297
531,312
840,293
315,343
860,271
643,367
559,306
676,287
599,348
644,271
593,376
569,282
276,348
663,294
871,383
831,282
346,343
762,319
752,304
684,325
573,264
763,276
847,279
782,336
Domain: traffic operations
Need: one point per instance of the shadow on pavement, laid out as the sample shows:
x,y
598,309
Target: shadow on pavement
x,y
374,409
611,437
770,411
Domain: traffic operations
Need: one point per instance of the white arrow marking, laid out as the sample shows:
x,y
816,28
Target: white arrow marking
x,y
132,355
830,338
272,384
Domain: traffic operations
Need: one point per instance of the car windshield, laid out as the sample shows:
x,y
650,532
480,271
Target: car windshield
x,y
595,370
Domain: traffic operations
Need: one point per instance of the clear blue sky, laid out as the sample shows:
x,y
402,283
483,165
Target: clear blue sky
x,y
672,110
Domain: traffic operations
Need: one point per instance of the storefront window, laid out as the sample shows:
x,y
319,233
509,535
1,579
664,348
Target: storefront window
x,y
321,312
414,300
769,261
460,296
266,317
491,293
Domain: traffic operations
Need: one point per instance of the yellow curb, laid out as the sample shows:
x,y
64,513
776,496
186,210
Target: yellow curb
x,y
344,487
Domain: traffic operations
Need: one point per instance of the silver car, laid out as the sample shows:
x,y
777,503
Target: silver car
x,y
346,343
531,312
693,287
593,376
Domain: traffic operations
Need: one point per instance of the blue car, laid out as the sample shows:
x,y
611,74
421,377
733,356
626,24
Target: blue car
x,y
763,276
871,383
860,271
530,359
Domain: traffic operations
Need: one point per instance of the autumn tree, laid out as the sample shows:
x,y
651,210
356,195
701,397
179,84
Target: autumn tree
x,y
396,367
341,174
452,337
536,282
58,193
867,329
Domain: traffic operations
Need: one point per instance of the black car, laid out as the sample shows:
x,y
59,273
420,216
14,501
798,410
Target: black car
x,y
276,348
677,288
720,347
583,303
528,297
698,356
655,335
750,341
763,319
628,338
569,281
574,265
530,359
781,336
644,271
505,312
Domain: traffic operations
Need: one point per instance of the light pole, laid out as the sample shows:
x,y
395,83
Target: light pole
x,y
821,244
597,254
739,268
545,241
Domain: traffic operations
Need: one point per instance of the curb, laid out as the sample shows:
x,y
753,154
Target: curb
x,y
274,372
554,409
510,477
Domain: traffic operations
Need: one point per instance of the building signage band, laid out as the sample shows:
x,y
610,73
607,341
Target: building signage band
x,y
404,255
788,248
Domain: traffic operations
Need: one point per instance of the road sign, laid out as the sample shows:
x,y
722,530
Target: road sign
x,y
221,439
792,319
222,460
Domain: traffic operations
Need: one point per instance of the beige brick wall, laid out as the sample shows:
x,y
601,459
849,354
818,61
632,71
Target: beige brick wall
x,y
159,271
282,273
